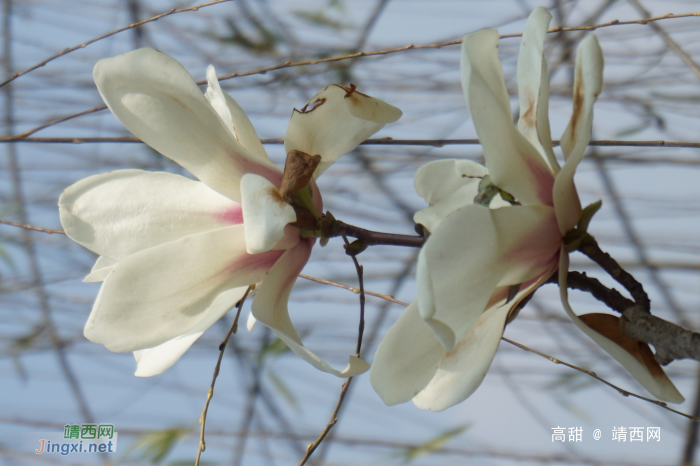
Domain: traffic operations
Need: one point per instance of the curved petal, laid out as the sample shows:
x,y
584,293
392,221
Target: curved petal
x,y
514,165
474,250
265,214
447,185
460,372
334,122
119,213
157,100
438,180
406,359
156,294
634,356
588,82
270,308
432,217
234,117
533,86
103,266
154,361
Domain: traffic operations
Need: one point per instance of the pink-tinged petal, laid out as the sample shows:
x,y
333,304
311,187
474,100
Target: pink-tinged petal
x,y
265,214
533,86
334,122
234,117
475,250
103,266
588,82
159,102
270,308
514,165
119,213
406,359
154,361
159,293
634,356
460,372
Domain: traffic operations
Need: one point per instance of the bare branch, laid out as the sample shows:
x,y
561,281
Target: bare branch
x,y
621,391
387,141
334,416
104,36
30,227
210,393
670,340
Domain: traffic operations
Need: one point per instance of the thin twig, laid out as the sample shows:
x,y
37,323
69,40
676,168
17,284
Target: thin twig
x,y
104,36
672,44
387,141
289,64
334,416
210,393
30,227
621,391
354,290
29,246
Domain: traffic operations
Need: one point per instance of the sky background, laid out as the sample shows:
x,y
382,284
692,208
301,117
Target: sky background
x,y
268,404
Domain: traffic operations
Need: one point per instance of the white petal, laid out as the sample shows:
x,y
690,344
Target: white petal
x,y
433,216
406,359
234,117
474,250
103,266
334,122
158,101
265,214
645,370
438,180
153,361
156,294
460,372
588,82
119,213
533,86
514,165
250,322
270,308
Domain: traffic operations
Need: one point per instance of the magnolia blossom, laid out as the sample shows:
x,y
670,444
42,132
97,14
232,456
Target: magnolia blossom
x,y
177,254
484,256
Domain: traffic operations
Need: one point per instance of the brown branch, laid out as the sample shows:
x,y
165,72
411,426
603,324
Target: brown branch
x,y
210,393
104,36
582,282
354,290
346,385
30,227
589,247
372,238
590,373
387,141
672,44
670,340
289,64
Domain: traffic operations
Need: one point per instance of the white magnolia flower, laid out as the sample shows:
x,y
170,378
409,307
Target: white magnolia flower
x,y
479,263
177,254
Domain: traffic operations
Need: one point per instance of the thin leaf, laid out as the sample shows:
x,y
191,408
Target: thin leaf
x,y
412,453
154,447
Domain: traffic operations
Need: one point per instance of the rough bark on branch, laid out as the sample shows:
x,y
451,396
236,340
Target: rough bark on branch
x,y
670,341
